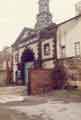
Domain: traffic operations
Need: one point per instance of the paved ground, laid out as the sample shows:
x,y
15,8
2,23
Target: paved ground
x,y
52,110
59,106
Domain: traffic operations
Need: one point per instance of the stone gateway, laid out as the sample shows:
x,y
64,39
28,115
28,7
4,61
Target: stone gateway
x,y
48,42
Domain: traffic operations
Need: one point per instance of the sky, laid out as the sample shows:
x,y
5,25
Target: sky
x,y
17,14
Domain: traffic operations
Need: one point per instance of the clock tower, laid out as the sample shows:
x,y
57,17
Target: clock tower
x,y
44,17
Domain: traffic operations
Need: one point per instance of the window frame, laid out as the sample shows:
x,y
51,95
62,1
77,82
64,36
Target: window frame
x,y
46,53
63,53
77,48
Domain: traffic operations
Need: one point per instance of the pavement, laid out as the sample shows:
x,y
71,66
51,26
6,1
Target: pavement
x,y
52,110
40,108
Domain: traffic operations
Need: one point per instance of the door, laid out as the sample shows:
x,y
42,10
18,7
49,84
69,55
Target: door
x,y
28,65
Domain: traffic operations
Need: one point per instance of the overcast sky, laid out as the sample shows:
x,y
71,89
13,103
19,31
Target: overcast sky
x,y
15,14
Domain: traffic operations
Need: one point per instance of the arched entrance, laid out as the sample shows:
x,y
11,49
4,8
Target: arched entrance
x,y
27,61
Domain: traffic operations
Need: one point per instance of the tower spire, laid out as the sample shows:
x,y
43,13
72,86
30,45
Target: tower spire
x,y
44,17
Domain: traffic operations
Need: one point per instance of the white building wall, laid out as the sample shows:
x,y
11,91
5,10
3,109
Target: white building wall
x,y
14,72
4,65
48,64
20,52
14,66
67,34
14,57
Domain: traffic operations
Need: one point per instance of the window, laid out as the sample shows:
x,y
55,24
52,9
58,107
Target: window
x,y
77,48
47,49
63,51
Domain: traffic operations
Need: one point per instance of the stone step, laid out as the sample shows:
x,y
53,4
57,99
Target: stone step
x,y
17,90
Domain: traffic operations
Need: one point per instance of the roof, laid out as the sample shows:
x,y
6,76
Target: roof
x,y
70,19
25,29
52,26
33,32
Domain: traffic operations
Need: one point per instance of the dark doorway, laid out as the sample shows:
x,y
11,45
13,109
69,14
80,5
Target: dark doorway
x,y
27,56
27,61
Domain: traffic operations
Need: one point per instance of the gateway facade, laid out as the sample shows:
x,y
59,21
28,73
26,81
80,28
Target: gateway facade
x,y
47,43
35,47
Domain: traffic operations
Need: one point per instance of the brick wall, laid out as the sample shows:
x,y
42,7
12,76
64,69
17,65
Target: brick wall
x,y
41,81
73,65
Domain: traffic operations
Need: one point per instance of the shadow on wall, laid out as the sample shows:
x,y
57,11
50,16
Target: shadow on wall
x,y
63,75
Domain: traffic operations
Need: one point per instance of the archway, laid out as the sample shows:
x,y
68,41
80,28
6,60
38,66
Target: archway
x,y
27,56
27,61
